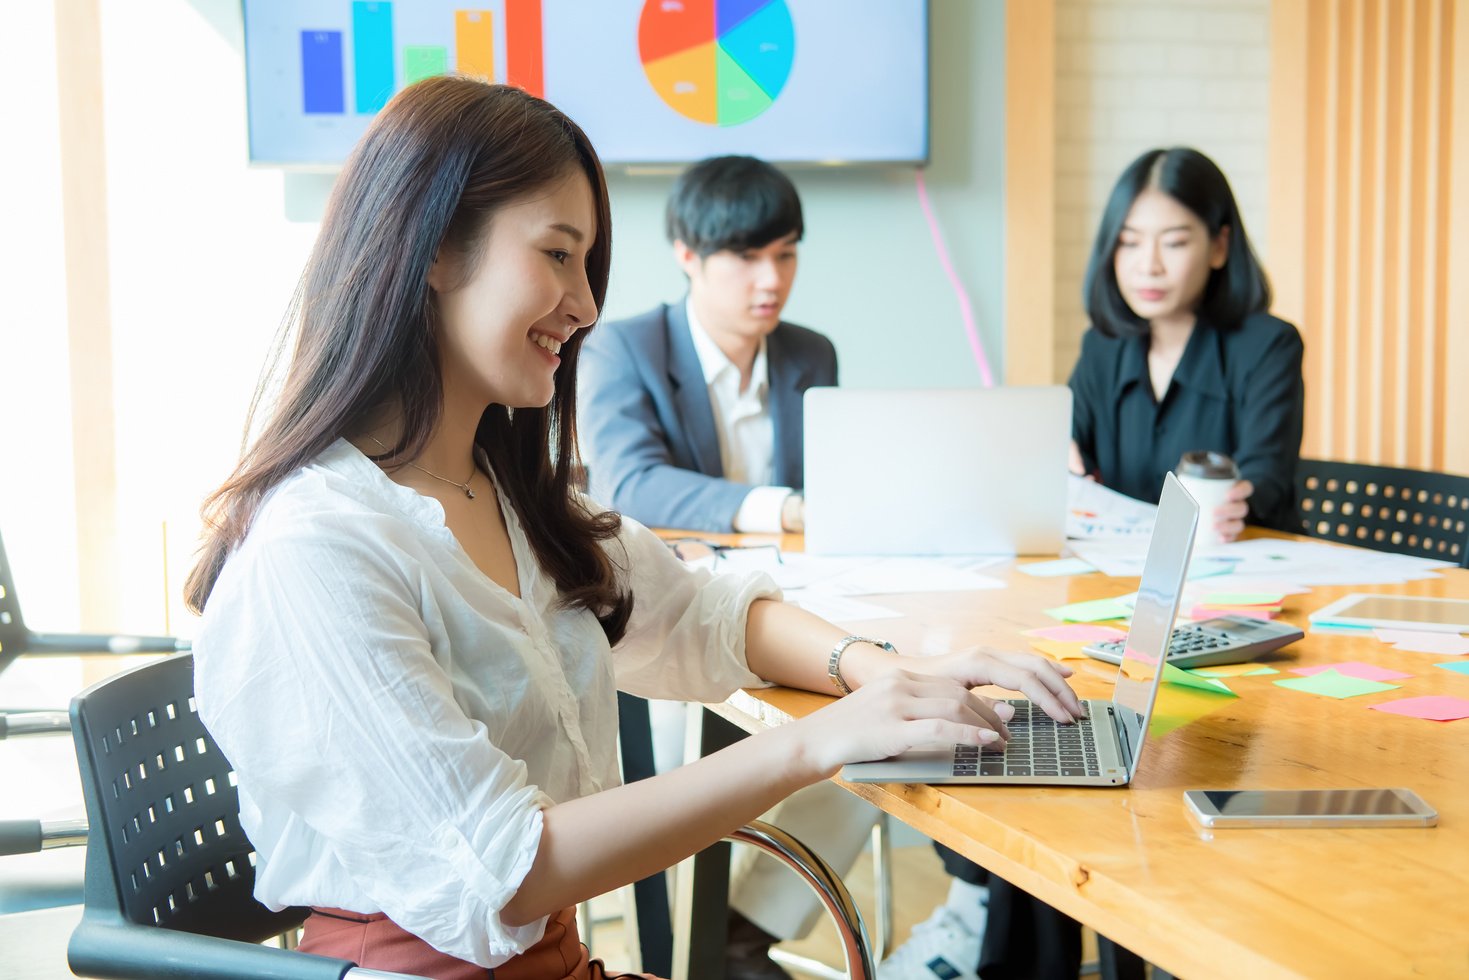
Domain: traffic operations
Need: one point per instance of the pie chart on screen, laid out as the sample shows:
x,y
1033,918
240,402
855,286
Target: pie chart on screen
x,y
718,62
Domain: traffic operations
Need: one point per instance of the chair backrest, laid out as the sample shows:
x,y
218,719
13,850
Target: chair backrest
x,y
165,846
12,624
1409,512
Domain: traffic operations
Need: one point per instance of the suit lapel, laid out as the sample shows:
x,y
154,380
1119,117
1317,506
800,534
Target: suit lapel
x,y
691,394
787,384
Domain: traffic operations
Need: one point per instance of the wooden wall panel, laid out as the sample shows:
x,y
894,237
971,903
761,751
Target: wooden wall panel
x,y
1030,191
1366,180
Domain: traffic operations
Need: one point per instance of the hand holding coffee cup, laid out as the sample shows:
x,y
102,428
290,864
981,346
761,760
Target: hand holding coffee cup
x,y
1213,480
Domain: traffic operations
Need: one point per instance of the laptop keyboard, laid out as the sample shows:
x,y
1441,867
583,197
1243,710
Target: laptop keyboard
x,y
1038,746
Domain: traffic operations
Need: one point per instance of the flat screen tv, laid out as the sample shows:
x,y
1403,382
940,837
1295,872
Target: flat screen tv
x,y
651,81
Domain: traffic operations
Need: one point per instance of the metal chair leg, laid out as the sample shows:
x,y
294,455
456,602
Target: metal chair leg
x,y
882,878
829,888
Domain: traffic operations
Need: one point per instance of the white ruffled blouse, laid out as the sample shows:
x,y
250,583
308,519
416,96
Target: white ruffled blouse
x,y
397,721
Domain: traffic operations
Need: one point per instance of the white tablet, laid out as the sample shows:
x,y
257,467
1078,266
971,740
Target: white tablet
x,y
1395,612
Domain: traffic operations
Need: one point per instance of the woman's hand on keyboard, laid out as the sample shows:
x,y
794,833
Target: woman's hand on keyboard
x,y
895,712
1042,681
929,702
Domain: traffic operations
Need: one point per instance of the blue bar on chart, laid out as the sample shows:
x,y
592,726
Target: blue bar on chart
x,y
321,72
372,54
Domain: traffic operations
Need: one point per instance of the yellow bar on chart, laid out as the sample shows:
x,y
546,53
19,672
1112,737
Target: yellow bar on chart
x,y
474,43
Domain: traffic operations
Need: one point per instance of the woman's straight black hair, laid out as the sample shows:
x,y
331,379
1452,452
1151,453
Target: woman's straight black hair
x,y
1232,293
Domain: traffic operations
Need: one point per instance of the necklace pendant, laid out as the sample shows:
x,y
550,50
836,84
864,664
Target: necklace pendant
x,y
469,493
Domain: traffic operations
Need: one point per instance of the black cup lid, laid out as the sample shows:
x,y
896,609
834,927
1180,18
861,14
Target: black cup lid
x,y
1208,464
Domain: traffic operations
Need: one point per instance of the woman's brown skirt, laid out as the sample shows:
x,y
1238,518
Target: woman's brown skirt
x,y
375,942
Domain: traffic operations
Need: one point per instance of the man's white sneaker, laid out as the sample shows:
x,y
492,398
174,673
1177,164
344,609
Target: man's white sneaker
x,y
940,948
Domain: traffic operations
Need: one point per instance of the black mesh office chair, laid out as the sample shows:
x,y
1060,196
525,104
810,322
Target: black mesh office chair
x,y
45,883
170,874
1407,512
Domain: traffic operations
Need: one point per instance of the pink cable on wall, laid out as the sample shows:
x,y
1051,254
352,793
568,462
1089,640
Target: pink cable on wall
x,y
966,311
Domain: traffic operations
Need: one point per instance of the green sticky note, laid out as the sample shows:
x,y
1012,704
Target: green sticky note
x,y
1232,670
1091,612
1244,598
1213,685
1331,684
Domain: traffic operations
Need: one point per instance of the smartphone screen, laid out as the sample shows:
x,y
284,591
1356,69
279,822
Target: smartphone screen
x,y
1289,802
1223,807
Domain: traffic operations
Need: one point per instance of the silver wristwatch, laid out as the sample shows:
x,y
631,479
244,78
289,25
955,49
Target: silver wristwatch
x,y
834,663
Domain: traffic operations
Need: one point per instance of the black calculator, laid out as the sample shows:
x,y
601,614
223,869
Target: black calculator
x,y
1223,639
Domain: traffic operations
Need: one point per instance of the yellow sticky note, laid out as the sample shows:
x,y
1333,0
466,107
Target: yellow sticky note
x,y
1059,649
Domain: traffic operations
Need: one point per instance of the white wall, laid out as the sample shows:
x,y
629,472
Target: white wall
x,y
203,263
37,500
1136,74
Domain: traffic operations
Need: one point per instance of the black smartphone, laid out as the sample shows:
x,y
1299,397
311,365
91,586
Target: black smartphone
x,y
1309,808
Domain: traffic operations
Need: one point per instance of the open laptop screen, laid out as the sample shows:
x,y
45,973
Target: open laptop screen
x,y
1157,605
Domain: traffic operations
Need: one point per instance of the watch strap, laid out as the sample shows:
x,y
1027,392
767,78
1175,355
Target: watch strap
x,y
834,662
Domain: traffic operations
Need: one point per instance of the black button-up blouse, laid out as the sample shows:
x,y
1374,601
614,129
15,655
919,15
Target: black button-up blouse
x,y
1238,392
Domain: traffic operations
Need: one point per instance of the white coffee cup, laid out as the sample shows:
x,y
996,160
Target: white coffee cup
x,y
1208,477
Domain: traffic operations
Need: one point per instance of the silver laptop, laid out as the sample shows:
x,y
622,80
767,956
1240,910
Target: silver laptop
x,y
1103,749
936,472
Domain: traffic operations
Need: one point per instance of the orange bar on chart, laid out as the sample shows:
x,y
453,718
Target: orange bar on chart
x,y
523,67
474,44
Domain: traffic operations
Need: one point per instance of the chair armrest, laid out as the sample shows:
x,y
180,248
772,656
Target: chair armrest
x,y
20,836
30,836
116,950
61,644
828,885
15,724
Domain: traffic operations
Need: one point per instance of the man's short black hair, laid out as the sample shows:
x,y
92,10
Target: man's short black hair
x,y
732,202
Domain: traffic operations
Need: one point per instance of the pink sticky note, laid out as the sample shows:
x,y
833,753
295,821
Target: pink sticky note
x,y
1353,668
1077,633
1424,641
1435,707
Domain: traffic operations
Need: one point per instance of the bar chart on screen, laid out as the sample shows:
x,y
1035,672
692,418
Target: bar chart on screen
x,y
385,57
320,69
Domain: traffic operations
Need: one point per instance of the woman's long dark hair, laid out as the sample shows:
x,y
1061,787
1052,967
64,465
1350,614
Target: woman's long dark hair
x,y
1232,293
432,169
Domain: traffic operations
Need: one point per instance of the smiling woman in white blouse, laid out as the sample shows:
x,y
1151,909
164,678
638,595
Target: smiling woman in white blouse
x,y
414,629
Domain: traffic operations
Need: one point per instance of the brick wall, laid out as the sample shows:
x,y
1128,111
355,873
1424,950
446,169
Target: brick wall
x,y
1135,74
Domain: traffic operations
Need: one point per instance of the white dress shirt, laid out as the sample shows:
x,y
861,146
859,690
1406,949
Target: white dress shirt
x,y
745,430
398,721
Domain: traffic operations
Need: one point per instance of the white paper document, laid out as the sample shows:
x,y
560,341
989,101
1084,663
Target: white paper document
x,y
885,576
840,609
1094,513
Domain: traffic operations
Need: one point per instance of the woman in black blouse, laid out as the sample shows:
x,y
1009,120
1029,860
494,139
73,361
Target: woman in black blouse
x,y
1182,354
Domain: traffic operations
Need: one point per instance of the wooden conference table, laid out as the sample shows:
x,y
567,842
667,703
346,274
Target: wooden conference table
x,y
1130,863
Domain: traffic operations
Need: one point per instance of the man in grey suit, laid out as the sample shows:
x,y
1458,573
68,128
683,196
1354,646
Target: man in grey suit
x,y
691,417
691,412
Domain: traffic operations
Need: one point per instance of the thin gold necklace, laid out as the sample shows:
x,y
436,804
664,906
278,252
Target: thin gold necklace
x,y
468,490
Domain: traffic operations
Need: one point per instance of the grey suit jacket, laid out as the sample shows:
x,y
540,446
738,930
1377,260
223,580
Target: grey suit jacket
x,y
646,424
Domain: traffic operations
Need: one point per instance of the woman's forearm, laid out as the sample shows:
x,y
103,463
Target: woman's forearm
x,y
597,843
789,646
